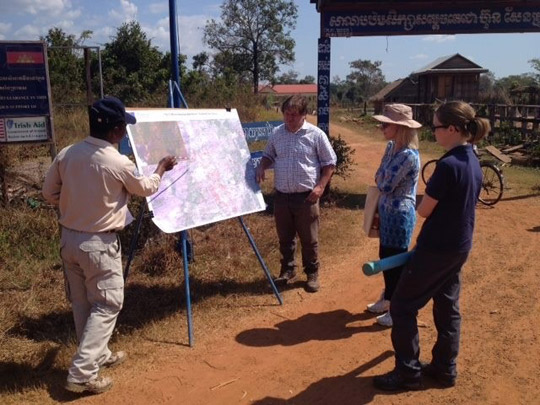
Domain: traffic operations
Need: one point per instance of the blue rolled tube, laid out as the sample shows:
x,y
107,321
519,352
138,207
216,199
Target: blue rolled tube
x,y
371,268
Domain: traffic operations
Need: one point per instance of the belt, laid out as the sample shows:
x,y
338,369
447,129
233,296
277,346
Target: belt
x,y
300,193
74,230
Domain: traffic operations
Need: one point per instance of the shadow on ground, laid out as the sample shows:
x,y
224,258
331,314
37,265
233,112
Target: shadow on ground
x,y
331,325
20,377
351,388
142,305
520,197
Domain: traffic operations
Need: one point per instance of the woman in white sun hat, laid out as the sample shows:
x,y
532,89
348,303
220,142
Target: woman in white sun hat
x,y
396,178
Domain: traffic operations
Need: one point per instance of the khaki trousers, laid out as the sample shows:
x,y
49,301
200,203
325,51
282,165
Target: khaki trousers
x,y
95,288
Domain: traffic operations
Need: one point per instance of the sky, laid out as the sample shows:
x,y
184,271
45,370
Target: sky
x,y
502,54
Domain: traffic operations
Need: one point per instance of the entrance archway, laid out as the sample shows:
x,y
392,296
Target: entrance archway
x,y
346,18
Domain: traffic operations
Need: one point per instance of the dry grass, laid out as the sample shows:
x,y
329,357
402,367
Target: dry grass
x,y
36,329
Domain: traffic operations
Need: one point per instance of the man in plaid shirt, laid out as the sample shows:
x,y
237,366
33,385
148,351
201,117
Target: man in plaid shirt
x,y
303,162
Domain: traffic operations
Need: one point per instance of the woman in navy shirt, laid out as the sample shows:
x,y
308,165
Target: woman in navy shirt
x,y
444,242
396,178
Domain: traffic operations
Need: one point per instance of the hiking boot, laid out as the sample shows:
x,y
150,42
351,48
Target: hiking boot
x,y
384,320
396,381
96,386
115,359
380,306
285,277
312,284
443,379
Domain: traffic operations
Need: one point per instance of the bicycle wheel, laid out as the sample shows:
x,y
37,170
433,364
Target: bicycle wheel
x,y
492,184
428,169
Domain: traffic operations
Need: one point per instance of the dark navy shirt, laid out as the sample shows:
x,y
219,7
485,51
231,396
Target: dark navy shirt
x,y
455,184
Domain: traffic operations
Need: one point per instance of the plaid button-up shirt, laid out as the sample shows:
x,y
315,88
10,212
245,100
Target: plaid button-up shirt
x,y
298,157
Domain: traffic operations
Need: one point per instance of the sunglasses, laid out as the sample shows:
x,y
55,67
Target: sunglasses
x,y
385,125
436,127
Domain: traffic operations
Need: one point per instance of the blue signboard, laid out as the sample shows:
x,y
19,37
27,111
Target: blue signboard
x,y
256,157
254,131
25,105
23,80
455,20
259,131
323,88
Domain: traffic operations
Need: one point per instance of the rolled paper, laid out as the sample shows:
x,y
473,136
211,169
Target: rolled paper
x,y
371,268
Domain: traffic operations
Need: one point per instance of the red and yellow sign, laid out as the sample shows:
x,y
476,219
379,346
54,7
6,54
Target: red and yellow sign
x,y
26,58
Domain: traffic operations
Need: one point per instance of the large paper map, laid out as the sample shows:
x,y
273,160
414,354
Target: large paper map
x,y
214,178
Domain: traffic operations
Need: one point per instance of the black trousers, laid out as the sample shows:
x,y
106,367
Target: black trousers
x,y
428,275
294,215
391,276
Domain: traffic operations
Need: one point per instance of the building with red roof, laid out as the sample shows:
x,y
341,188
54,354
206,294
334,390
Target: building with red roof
x,y
276,94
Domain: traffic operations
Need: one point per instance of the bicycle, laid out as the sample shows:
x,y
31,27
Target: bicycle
x,y
492,180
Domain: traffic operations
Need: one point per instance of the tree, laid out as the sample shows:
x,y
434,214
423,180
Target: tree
x,y
201,61
535,63
487,82
257,32
290,77
308,79
511,82
133,69
367,78
66,66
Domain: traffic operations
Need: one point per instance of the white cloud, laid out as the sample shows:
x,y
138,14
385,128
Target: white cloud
x,y
419,56
190,37
159,33
129,8
159,8
127,12
102,35
4,29
72,14
35,7
439,38
28,32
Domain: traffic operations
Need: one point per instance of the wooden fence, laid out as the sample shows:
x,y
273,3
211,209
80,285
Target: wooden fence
x,y
523,119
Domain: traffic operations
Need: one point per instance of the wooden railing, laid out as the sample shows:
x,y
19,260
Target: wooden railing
x,y
524,119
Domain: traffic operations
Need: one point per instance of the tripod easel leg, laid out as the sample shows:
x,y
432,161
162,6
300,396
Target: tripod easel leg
x,y
261,261
184,238
134,239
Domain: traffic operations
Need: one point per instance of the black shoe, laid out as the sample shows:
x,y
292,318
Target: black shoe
x,y
312,284
395,381
285,277
445,380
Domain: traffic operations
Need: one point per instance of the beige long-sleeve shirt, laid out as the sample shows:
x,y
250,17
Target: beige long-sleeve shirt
x,y
91,182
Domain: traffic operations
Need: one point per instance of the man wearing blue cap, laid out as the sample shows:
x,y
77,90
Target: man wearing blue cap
x,y
91,182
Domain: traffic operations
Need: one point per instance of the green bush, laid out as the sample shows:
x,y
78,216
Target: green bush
x,y
344,156
506,134
426,134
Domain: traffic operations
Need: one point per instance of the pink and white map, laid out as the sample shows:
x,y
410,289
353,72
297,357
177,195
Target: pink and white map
x,y
214,178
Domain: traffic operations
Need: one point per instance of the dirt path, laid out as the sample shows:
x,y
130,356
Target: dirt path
x,y
324,349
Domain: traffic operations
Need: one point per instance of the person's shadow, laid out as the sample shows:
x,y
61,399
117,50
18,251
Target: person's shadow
x,y
350,388
331,325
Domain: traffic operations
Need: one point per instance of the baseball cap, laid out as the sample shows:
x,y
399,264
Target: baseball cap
x,y
108,112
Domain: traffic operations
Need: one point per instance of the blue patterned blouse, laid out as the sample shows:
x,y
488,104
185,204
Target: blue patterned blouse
x,y
397,178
